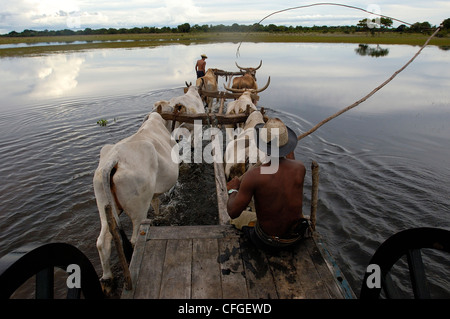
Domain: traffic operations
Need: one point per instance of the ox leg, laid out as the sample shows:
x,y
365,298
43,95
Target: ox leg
x,y
137,216
104,241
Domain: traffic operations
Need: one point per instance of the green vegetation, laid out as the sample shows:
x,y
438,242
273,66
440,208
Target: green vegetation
x,y
102,122
186,34
362,26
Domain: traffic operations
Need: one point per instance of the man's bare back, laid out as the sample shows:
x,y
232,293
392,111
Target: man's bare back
x,y
201,65
278,197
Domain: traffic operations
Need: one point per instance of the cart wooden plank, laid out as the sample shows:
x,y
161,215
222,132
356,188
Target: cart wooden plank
x,y
217,261
177,270
260,283
308,276
234,284
285,276
322,270
152,268
205,269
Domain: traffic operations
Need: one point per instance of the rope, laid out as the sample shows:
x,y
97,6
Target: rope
x,y
361,100
320,4
331,4
373,91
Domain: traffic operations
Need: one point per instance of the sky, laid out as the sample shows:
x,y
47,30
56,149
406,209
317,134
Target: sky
x,y
18,15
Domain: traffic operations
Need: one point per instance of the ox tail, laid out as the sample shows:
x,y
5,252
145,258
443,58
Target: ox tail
x,y
107,175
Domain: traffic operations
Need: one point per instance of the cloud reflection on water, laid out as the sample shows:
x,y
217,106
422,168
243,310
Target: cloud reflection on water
x,y
56,75
324,75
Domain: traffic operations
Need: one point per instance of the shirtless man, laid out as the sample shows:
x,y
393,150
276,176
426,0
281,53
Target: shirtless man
x,y
200,67
278,197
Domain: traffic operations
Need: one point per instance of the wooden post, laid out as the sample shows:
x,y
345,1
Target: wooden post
x,y
175,113
222,101
221,193
314,193
114,230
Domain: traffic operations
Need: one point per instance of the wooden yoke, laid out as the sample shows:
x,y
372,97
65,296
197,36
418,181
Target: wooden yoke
x,y
206,118
225,95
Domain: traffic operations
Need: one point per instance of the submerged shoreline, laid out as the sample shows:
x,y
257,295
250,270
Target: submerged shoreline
x,y
21,46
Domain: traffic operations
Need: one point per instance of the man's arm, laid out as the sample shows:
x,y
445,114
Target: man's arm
x,y
238,201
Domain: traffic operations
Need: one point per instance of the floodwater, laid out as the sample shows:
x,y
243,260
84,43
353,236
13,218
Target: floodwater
x,y
384,166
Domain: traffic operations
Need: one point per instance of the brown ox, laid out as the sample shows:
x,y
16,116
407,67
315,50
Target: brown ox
x,y
248,80
235,90
208,82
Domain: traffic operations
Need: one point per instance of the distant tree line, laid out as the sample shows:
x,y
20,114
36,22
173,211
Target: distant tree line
x,y
385,25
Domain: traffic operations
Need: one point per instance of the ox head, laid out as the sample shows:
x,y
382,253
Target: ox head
x,y
199,82
163,106
243,90
251,71
179,108
211,72
154,115
196,87
254,118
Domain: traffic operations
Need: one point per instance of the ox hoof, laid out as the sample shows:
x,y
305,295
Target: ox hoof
x,y
108,286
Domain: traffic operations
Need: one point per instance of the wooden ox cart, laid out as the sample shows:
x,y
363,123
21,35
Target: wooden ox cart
x,y
217,261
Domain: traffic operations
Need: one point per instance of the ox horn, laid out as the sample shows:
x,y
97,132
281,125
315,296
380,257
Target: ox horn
x,y
239,67
242,68
252,90
265,86
234,90
260,63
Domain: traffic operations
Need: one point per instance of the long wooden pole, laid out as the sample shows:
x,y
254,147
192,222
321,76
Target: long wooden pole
x,y
314,193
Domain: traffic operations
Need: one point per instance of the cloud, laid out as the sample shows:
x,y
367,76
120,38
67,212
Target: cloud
x,y
34,14
182,11
79,14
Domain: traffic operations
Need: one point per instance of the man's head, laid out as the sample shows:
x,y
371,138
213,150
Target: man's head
x,y
274,138
204,56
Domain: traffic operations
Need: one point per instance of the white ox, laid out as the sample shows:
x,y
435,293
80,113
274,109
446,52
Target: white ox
x,y
240,105
130,176
243,150
237,107
189,103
